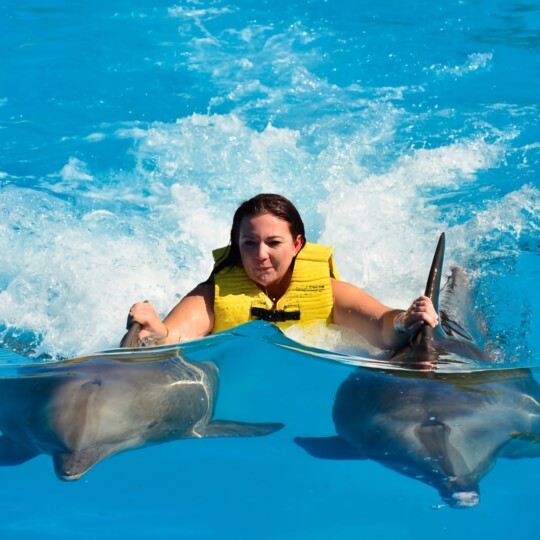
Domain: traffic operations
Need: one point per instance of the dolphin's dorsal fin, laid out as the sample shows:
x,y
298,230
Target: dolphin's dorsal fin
x,y
130,338
425,338
433,285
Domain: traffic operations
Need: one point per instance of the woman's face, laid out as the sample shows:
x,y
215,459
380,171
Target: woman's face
x,y
267,248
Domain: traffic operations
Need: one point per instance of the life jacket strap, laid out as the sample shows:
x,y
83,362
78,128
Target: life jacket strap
x,y
274,315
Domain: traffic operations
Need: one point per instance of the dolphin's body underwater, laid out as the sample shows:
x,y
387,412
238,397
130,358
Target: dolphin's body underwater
x,y
445,429
84,410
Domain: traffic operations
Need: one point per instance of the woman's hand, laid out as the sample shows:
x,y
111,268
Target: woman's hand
x,y
152,326
421,312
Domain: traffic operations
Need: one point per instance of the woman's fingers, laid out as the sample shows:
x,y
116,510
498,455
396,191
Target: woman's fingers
x,y
145,314
421,312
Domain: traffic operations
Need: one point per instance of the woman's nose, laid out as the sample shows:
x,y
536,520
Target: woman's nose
x,y
262,251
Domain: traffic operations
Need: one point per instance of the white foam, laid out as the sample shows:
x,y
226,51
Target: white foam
x,y
75,170
382,224
95,137
227,159
474,62
198,14
71,278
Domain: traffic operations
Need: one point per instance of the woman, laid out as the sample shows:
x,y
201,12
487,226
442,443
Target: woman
x,y
270,272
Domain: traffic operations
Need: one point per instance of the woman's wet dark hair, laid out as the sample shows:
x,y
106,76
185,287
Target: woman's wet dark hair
x,y
264,203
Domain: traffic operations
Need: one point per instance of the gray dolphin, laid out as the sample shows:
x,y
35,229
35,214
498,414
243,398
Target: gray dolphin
x,y
83,410
446,430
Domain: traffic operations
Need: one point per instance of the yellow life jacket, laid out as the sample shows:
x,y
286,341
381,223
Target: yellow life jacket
x,y
308,299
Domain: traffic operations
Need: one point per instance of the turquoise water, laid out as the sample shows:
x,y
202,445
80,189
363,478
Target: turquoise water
x,y
130,131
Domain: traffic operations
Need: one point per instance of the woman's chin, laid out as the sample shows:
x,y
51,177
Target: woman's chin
x,y
265,278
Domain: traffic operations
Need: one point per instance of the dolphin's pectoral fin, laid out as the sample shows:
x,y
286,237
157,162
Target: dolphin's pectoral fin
x,y
72,465
12,453
227,428
522,444
460,485
329,447
434,437
527,436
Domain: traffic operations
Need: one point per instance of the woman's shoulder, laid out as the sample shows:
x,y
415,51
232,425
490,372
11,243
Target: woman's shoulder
x,y
205,289
206,286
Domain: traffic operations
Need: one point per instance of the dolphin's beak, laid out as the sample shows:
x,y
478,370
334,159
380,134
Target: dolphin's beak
x,y
463,499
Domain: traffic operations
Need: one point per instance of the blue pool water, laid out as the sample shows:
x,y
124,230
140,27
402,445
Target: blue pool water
x,y
129,133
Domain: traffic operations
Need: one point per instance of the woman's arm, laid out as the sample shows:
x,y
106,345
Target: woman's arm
x,y
191,318
376,322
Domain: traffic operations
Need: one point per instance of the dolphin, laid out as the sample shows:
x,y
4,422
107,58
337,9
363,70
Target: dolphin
x,y
83,410
445,429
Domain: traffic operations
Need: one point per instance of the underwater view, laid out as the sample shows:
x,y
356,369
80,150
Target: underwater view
x,y
130,131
